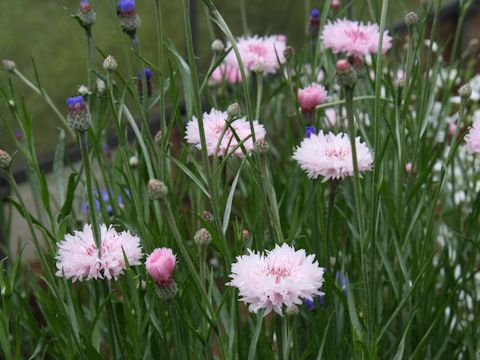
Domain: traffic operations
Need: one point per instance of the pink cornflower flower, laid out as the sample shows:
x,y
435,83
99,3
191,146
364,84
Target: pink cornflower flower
x,y
473,138
264,50
354,38
225,72
214,124
282,277
311,96
330,155
408,167
160,265
78,257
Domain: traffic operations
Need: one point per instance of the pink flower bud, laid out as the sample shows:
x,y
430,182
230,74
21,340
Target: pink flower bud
x,y
245,233
160,265
342,65
452,128
408,167
335,4
311,96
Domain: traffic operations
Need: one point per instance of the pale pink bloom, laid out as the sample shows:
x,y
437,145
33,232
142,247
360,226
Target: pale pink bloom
x,y
78,256
330,156
282,277
354,38
408,167
227,73
214,124
452,128
160,265
264,50
331,117
311,96
473,138
400,75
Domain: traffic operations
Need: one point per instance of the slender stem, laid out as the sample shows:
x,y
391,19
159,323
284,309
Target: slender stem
x,y
259,95
112,322
92,211
286,336
89,57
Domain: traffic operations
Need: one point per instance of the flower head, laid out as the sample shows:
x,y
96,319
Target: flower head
x,y
354,38
473,138
215,125
160,265
282,277
254,50
225,72
311,96
85,6
126,7
78,257
76,104
330,155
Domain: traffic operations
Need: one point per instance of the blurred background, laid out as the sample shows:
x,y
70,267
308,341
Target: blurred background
x,y
46,33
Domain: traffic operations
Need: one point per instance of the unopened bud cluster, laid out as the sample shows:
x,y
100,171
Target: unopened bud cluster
x,y
129,19
156,189
78,116
346,74
233,110
218,46
86,14
411,20
110,63
465,91
202,237
5,160
261,146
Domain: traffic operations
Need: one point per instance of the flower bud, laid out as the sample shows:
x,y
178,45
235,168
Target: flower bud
x,y
127,13
311,96
289,53
9,65
346,75
411,19
202,237
258,69
156,189
452,128
101,87
160,265
408,167
110,63
233,110
261,146
245,234
158,137
78,116
133,161
86,14
465,91
208,216
218,46
335,4
5,160
83,90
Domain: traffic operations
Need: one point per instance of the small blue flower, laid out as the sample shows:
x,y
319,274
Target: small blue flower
x,y
310,304
76,104
126,6
19,134
148,73
105,197
315,14
344,280
310,130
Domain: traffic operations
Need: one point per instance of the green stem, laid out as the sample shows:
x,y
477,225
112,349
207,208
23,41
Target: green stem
x,y
259,95
89,58
83,141
286,336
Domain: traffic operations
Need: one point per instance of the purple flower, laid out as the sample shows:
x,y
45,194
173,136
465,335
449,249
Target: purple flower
x,y
104,196
126,7
76,105
315,14
85,6
310,130
19,135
